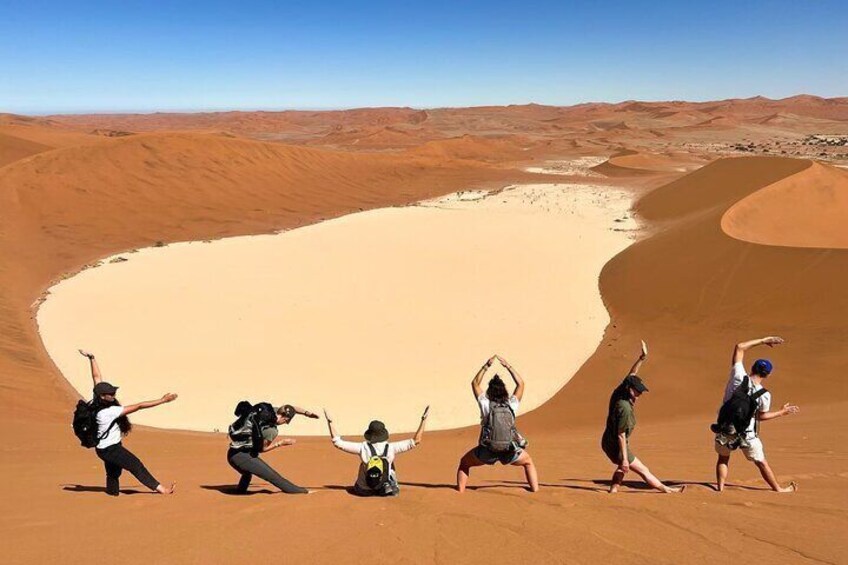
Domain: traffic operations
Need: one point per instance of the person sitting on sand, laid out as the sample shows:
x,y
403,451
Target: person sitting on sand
x,y
377,475
621,421
112,426
250,435
499,439
753,448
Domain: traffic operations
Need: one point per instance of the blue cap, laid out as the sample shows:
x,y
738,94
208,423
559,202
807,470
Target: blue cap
x,y
762,367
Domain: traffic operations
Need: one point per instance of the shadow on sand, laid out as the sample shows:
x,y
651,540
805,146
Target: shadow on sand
x,y
452,486
232,490
86,488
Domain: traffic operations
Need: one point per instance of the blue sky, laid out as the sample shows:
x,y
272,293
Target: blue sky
x,y
147,56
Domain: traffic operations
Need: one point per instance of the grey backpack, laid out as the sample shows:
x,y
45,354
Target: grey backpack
x,y
242,432
499,433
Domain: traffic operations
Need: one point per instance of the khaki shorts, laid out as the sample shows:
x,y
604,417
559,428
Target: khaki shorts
x,y
754,451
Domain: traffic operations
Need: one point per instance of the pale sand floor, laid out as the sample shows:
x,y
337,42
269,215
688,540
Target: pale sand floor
x,y
372,315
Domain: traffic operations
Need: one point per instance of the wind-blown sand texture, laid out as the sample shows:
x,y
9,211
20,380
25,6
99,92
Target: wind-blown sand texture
x,y
688,288
377,313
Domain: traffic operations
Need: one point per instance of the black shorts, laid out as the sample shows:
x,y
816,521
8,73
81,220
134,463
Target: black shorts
x,y
489,457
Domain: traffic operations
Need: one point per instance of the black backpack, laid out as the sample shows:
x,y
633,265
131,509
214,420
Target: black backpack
x,y
377,471
735,415
85,424
264,415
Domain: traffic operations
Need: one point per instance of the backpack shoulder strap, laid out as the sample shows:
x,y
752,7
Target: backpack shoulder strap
x,y
386,450
372,450
758,394
108,429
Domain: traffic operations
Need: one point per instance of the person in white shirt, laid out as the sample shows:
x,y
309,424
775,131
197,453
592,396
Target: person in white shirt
x,y
112,425
376,444
496,392
753,451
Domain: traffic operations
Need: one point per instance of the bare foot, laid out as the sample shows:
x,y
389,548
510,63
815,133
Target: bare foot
x,y
170,490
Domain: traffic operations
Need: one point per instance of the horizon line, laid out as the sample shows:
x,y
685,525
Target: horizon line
x,y
279,109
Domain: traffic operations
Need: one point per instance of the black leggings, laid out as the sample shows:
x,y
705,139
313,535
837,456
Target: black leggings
x,y
116,458
248,465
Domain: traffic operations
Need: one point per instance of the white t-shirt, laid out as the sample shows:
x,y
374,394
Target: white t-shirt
x,y
105,418
485,404
737,375
361,449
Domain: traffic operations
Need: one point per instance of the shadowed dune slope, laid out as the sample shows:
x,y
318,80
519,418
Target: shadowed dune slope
x,y
808,209
22,136
13,148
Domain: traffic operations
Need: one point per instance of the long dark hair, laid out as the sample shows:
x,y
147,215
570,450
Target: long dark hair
x,y
496,392
123,422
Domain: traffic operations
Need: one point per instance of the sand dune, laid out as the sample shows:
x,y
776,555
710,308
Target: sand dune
x,y
690,289
21,137
13,148
808,209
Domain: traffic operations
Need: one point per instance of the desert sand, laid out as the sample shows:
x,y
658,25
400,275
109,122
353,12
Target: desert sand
x,y
373,315
689,287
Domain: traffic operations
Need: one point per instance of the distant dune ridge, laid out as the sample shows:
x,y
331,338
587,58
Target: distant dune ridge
x,y
744,246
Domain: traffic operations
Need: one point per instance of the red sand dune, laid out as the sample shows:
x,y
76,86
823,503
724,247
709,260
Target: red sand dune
x,y
808,209
688,288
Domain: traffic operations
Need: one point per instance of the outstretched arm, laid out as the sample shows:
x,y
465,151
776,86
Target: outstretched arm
x,y
346,446
270,446
476,386
785,411
95,369
634,370
516,378
330,427
741,348
304,412
170,397
419,433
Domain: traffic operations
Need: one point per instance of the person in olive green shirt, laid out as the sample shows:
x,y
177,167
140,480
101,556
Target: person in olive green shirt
x,y
621,421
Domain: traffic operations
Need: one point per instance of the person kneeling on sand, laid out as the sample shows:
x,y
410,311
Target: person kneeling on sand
x,y
112,426
499,438
377,476
621,421
254,432
748,441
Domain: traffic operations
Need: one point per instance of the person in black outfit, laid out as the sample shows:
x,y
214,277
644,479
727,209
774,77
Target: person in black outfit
x,y
112,425
243,454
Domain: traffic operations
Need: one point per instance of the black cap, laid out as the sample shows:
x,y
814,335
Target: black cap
x,y
104,388
376,432
635,382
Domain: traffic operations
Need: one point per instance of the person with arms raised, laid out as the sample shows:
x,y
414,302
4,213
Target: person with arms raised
x,y
499,440
377,475
621,421
748,389
112,426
